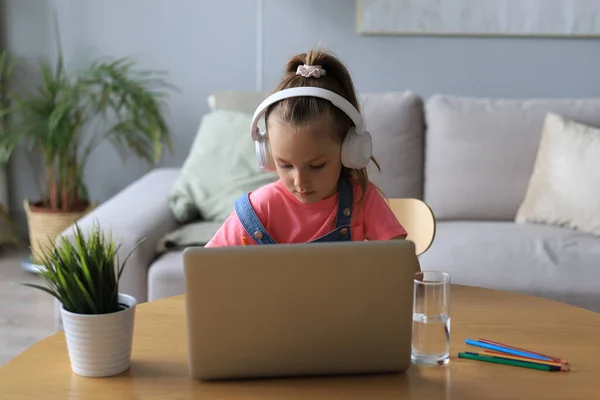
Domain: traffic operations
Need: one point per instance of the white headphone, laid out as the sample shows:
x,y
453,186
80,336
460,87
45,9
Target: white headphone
x,y
357,146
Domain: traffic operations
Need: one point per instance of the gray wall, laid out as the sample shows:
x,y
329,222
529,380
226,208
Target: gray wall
x,y
211,45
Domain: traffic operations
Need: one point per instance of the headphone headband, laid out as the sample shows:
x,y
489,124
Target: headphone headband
x,y
334,98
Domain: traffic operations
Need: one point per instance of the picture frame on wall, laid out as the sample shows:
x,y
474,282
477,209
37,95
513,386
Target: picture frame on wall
x,y
525,18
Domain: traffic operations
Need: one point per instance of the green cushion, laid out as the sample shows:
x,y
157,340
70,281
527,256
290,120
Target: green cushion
x,y
220,167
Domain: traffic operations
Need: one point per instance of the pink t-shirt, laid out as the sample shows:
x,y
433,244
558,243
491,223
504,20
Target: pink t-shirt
x,y
287,220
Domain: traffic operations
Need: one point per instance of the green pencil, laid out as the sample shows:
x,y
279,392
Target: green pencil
x,y
514,363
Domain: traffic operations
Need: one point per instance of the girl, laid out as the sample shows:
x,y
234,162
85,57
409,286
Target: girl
x,y
315,141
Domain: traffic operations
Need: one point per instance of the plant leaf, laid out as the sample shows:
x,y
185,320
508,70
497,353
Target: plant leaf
x,y
45,289
94,308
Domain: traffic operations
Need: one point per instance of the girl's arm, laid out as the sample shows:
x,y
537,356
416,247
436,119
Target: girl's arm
x,y
231,233
380,223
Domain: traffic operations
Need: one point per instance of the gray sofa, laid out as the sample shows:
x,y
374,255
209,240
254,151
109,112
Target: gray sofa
x,y
470,159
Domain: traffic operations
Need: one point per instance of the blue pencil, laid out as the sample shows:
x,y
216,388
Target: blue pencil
x,y
506,350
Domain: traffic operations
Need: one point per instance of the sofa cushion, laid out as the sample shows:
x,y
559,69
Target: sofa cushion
x,y
220,167
165,276
395,120
565,186
196,233
479,153
556,263
547,261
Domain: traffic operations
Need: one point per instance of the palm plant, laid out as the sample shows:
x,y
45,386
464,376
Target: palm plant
x,y
83,274
6,67
69,114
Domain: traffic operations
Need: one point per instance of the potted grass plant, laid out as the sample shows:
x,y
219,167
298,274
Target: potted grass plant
x,y
83,274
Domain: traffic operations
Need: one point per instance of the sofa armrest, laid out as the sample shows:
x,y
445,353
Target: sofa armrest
x,y
139,211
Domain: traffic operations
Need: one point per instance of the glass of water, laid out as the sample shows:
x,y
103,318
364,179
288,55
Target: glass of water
x,y
431,318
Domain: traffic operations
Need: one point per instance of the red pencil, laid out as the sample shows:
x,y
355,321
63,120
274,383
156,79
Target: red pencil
x,y
528,351
244,241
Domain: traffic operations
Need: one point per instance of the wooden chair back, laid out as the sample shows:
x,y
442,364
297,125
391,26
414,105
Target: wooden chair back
x,y
418,220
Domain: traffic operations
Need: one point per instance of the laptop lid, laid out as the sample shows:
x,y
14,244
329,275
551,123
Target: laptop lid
x,y
299,309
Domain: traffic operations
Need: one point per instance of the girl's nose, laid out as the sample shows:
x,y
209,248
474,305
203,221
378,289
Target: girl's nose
x,y
301,180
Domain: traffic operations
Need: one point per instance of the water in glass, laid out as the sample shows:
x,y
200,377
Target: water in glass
x,y
431,319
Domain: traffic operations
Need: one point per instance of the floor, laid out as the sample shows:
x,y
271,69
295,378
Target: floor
x,y
26,314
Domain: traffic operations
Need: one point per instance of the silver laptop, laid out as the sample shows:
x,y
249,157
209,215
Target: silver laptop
x,y
299,309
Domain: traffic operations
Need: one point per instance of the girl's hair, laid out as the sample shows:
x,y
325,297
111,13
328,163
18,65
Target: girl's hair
x,y
303,110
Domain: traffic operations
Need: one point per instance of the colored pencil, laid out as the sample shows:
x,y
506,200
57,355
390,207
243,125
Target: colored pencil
x,y
516,348
521,353
514,363
244,241
490,353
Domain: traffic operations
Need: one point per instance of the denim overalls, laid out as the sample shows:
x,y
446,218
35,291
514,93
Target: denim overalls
x,y
256,230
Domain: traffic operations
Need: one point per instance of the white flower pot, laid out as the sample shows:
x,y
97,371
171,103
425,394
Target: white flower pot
x,y
100,345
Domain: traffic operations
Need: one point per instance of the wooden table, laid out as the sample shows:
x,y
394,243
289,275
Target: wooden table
x,y
159,360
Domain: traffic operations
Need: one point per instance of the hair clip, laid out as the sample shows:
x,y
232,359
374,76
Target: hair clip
x,y
309,71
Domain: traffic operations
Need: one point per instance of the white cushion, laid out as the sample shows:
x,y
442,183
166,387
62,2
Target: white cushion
x,y
564,188
220,167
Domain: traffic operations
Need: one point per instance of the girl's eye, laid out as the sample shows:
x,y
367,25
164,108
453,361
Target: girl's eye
x,y
317,166
285,166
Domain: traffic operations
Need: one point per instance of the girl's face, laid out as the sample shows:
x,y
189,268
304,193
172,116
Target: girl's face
x,y
308,157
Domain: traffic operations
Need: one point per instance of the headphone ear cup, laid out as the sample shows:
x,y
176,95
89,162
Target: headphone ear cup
x,y
263,154
357,149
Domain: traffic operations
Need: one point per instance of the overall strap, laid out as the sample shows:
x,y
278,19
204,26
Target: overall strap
x,y
342,231
345,203
250,221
